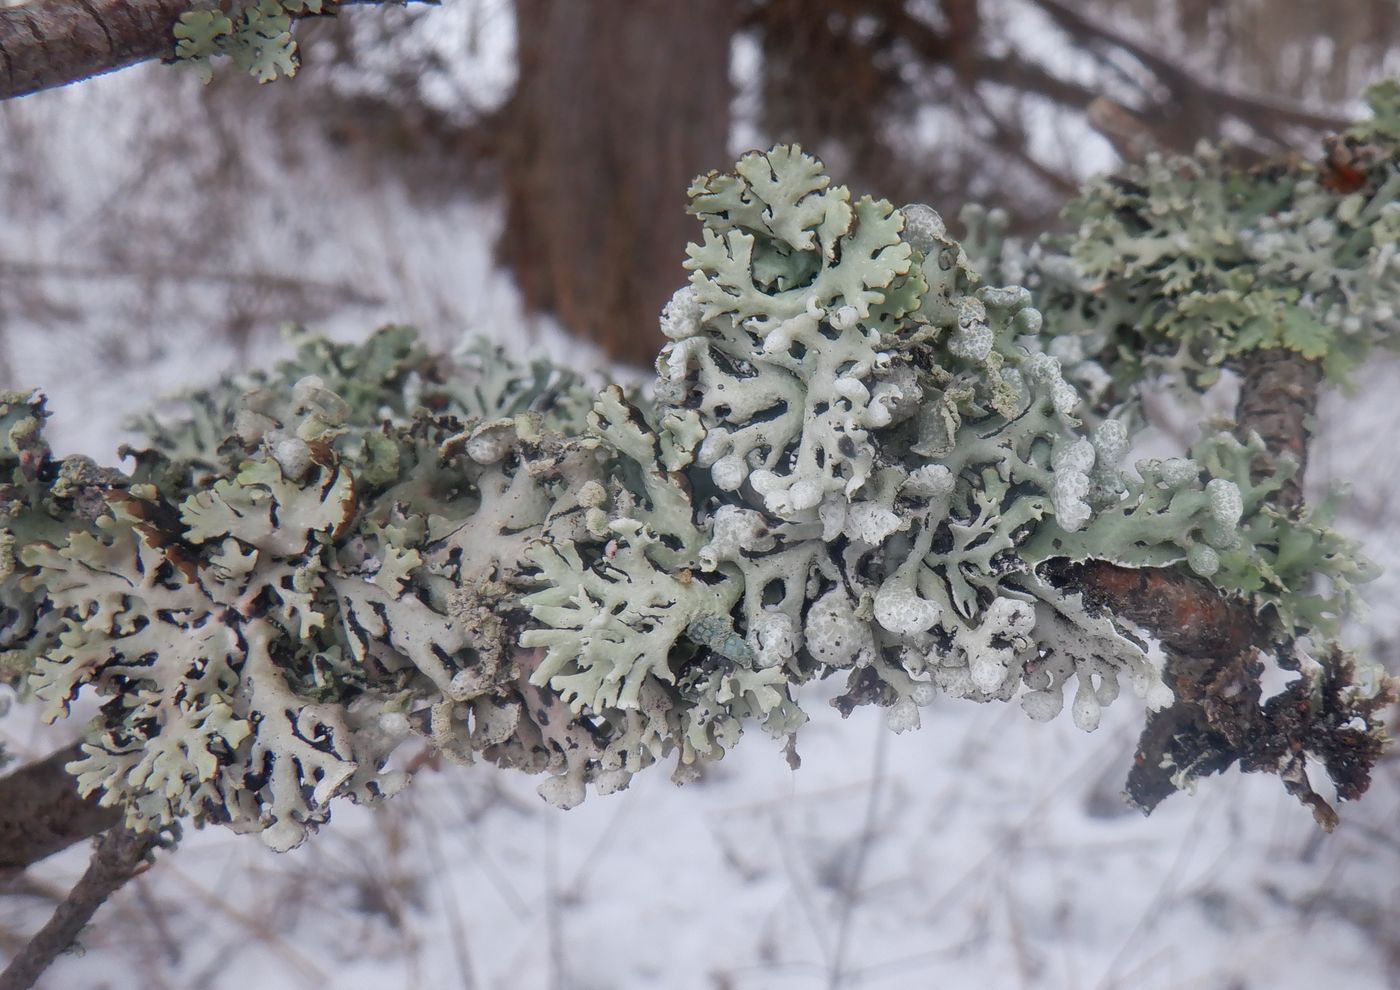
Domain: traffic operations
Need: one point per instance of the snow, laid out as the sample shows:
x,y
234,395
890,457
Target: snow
x,y
990,852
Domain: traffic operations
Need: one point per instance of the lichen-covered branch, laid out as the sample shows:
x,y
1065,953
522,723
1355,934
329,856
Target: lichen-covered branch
x,y
1219,717
860,460
1180,267
1182,611
48,43
120,854
1181,305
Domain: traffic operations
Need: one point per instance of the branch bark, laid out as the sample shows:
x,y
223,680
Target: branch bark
x,y
1217,716
119,856
1278,400
48,43
41,812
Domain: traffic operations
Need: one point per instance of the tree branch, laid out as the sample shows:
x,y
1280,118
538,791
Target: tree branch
x,y
1278,399
1220,717
50,43
118,857
1258,112
1013,142
1005,68
42,813
1213,644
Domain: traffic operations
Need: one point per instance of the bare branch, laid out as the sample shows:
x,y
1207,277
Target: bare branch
x,y
1013,142
1004,69
342,292
42,813
1186,87
1277,400
119,856
1122,128
47,43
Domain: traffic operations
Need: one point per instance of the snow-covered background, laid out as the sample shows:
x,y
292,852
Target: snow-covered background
x,y
982,850
146,245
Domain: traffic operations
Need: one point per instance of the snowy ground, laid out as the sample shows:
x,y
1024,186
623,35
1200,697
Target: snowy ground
x,y
982,850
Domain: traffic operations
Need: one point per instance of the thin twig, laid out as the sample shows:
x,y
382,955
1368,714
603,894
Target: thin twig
x,y
1256,110
119,856
850,900
1166,890
553,922
806,901
256,924
457,928
153,913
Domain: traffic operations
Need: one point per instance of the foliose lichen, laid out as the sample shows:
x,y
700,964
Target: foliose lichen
x,y
1180,265
859,460
255,34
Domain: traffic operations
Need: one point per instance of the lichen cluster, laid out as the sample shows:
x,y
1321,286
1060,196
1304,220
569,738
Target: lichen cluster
x,y
859,460
256,35
1180,265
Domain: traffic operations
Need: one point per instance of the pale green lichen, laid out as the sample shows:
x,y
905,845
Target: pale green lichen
x,y
1181,265
255,34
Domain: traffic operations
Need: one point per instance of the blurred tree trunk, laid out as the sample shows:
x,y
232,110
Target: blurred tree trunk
x,y
618,106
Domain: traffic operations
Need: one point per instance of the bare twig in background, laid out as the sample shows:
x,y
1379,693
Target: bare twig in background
x,y
1120,127
851,882
1193,100
255,922
119,856
461,946
344,293
554,927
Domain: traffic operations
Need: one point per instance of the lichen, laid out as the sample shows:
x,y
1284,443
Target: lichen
x,y
255,34
1181,265
859,460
